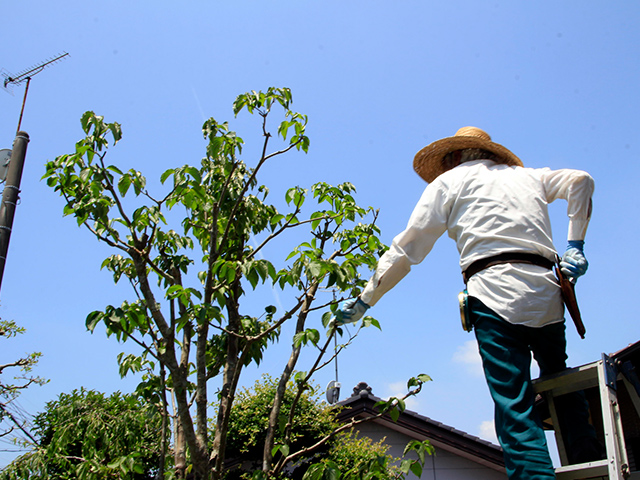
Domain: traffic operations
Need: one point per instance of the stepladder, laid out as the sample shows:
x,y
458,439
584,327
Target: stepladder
x,y
600,380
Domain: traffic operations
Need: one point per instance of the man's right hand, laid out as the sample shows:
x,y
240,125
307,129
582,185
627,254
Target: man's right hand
x,y
573,263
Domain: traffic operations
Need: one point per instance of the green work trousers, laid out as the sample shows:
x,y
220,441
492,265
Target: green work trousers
x,y
506,351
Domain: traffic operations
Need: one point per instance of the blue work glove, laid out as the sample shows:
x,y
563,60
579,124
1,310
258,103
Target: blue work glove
x,y
350,311
573,263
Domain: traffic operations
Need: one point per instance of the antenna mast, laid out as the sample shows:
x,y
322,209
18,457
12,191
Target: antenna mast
x,y
10,80
11,171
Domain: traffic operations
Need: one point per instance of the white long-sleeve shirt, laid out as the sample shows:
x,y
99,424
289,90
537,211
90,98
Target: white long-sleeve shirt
x,y
490,208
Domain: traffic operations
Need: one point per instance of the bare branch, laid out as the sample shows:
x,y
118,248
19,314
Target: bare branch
x,y
284,150
19,363
289,225
114,195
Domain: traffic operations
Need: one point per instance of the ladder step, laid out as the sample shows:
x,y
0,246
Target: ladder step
x,y
583,470
570,380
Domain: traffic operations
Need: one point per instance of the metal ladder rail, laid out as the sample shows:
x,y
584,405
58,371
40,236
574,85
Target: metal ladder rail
x,y
601,374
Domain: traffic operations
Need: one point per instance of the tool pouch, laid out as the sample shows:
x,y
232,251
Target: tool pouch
x,y
568,291
463,300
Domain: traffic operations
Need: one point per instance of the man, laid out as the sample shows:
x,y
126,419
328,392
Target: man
x,y
496,211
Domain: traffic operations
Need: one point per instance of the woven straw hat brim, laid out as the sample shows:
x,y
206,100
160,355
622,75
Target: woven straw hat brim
x,y
428,162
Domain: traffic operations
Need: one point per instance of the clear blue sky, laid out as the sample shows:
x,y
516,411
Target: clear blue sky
x,y
555,82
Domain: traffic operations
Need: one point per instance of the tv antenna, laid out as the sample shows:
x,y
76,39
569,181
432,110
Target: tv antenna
x,y
26,75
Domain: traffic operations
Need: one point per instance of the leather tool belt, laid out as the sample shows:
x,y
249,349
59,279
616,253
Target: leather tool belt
x,y
566,286
506,257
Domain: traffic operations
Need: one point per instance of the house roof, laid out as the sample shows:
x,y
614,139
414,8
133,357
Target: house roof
x,y
361,405
630,352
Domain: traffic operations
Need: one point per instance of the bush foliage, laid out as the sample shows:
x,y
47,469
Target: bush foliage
x,y
314,419
85,434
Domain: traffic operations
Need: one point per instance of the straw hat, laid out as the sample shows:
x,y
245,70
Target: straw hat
x,y
428,162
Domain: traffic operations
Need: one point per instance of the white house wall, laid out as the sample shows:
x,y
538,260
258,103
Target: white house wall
x,y
444,465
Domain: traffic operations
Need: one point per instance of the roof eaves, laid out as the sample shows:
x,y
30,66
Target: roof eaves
x,y
419,426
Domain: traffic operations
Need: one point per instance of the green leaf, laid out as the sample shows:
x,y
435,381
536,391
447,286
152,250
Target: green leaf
x,y
331,472
394,413
215,146
314,472
326,318
115,169
277,218
300,377
123,184
259,475
116,132
93,319
283,128
316,269
313,335
418,447
290,195
371,322
299,339
405,466
304,144
283,449
302,338
253,278
166,174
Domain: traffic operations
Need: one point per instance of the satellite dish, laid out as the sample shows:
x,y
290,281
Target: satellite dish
x,y
5,158
333,392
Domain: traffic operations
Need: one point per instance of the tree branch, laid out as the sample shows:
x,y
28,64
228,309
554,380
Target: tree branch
x,y
20,363
289,225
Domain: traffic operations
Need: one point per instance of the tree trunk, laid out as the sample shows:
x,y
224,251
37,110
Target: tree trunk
x,y
229,384
267,457
201,387
165,418
179,444
199,455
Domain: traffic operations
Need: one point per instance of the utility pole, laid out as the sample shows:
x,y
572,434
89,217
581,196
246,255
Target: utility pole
x,y
10,195
11,192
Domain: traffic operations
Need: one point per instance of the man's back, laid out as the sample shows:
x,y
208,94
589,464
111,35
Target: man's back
x,y
493,208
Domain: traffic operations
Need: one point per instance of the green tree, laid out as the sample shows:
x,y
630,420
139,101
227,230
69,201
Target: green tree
x,y
192,279
249,420
88,435
314,420
13,423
